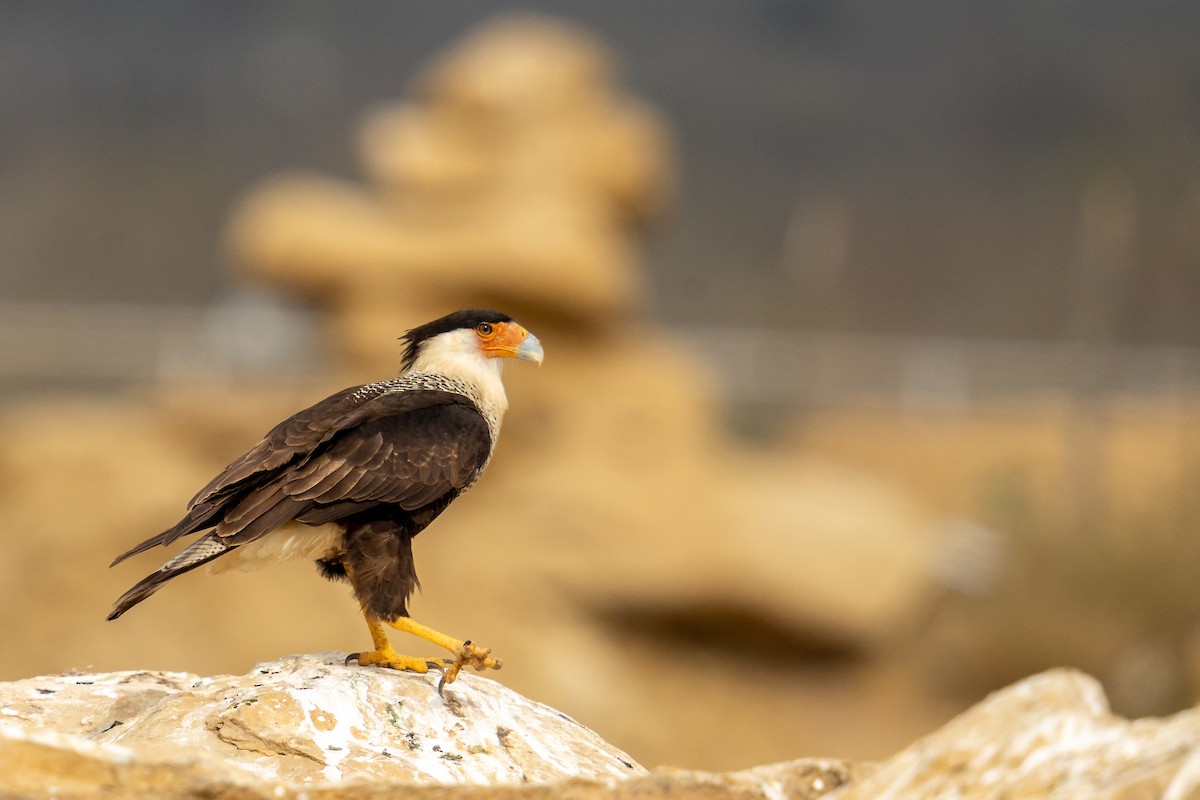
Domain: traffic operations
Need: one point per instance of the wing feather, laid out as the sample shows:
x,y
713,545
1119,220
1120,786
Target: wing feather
x,y
253,506
361,447
423,455
299,435
263,522
317,477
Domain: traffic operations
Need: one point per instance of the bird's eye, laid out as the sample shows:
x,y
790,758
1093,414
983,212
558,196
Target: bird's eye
x,y
484,328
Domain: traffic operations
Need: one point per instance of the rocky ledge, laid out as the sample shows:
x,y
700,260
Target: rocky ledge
x,y
301,721
309,726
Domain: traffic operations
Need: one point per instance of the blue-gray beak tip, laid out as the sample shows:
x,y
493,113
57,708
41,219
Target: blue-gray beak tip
x,y
531,349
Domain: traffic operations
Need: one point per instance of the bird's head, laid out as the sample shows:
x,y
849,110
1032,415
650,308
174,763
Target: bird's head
x,y
468,338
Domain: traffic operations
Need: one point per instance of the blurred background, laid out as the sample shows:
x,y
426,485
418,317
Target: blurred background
x,y
872,371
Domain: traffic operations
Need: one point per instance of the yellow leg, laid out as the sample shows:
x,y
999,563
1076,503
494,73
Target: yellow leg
x,y
465,653
384,655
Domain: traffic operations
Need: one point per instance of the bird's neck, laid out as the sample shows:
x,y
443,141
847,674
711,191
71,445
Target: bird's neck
x,y
482,375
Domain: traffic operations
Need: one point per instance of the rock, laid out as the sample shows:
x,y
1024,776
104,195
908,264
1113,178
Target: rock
x,y
1049,736
801,779
807,531
369,265
298,721
524,103
307,726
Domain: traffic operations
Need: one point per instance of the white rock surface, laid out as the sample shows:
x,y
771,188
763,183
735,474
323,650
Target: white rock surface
x,y
310,720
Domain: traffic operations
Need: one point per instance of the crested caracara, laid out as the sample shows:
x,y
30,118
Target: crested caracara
x,y
351,480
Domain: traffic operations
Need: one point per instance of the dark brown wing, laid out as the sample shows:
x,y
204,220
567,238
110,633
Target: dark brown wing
x,y
411,460
252,486
301,433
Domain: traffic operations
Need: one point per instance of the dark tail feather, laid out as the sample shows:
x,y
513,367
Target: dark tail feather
x,y
197,518
200,552
153,541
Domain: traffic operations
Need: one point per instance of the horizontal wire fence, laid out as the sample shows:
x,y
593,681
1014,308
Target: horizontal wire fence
x,y
87,345
760,366
82,346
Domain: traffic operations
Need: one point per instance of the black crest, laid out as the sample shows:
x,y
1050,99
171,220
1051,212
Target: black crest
x,y
466,318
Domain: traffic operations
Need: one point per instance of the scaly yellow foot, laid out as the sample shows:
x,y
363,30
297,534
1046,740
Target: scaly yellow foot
x,y
387,657
465,653
469,655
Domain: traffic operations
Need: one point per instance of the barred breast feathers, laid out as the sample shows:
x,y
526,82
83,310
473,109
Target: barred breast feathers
x,y
451,363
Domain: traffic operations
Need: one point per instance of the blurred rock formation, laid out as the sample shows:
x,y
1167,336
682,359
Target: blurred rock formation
x,y
628,560
515,177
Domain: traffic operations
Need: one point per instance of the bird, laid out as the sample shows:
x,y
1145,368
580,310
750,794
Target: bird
x,y
349,481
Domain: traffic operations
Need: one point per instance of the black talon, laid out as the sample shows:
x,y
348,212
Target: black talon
x,y
442,683
352,657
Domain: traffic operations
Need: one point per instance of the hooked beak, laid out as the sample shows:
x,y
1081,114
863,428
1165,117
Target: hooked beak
x,y
530,349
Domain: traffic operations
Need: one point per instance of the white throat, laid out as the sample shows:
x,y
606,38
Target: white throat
x,y
456,355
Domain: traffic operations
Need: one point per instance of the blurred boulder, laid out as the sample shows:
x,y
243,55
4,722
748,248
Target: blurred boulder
x,y
1049,736
524,106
